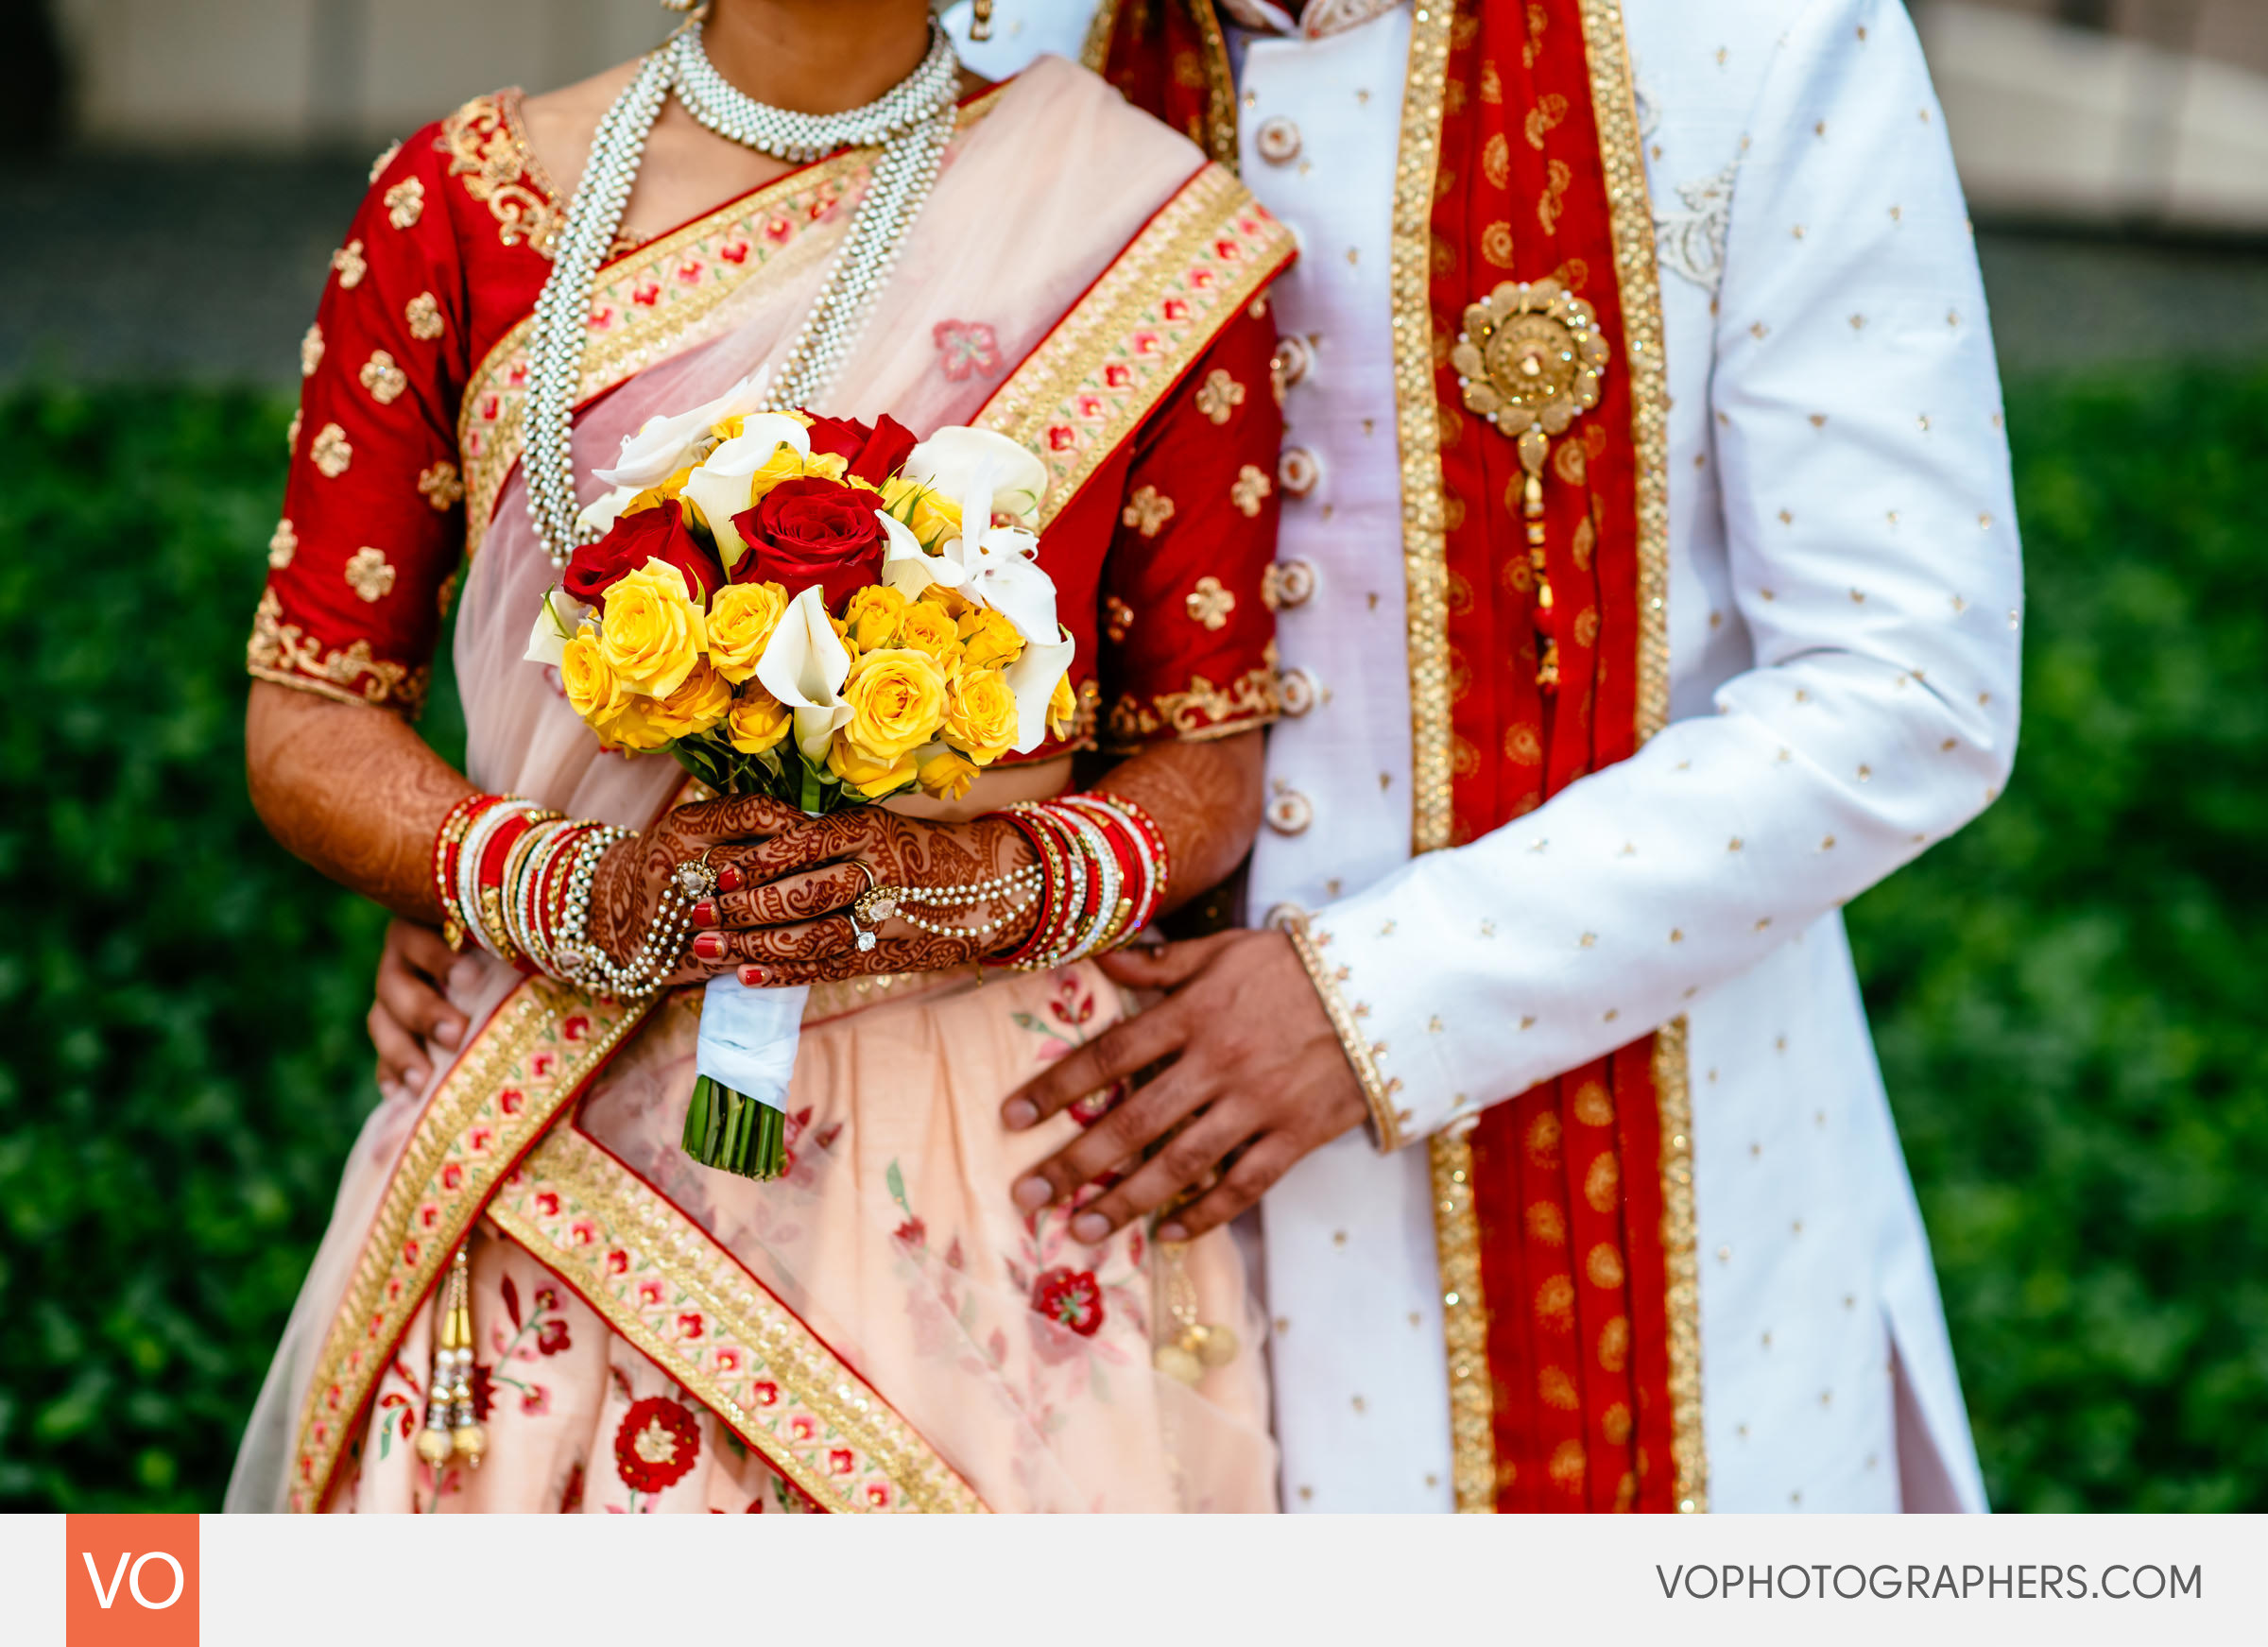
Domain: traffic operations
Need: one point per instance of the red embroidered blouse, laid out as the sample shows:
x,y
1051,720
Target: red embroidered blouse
x,y
1159,562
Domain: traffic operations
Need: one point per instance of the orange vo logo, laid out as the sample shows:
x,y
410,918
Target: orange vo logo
x,y
130,1580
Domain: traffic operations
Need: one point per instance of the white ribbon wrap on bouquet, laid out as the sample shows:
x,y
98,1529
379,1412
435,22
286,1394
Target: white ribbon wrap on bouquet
x,y
749,1038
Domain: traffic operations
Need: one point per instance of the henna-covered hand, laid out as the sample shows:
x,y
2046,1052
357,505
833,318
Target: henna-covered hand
x,y
634,875
787,919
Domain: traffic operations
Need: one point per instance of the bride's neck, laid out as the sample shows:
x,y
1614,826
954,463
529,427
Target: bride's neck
x,y
817,57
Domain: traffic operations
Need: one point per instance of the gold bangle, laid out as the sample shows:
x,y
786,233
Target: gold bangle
x,y
1378,1089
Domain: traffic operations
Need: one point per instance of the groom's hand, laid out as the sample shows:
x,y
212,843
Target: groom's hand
x,y
1256,1070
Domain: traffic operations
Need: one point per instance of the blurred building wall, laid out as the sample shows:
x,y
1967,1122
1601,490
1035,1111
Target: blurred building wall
x,y
2160,121
290,74
2098,112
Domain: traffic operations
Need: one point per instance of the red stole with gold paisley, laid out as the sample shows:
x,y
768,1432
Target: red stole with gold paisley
x,y
1566,1180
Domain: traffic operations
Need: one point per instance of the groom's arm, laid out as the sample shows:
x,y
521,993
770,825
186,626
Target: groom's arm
x,y
1863,470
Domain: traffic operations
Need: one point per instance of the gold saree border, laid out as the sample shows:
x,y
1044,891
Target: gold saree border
x,y
655,300
1124,345
671,1290
1425,581
527,1062
1637,275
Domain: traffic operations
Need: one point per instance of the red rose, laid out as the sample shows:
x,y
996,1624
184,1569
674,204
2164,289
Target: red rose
x,y
649,535
813,530
656,1445
874,453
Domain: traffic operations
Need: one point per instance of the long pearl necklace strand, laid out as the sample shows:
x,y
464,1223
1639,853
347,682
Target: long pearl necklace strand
x,y
912,122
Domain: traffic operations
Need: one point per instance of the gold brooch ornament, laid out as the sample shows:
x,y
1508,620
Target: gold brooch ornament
x,y
1529,361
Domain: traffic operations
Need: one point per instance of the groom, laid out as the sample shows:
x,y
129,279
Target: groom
x,y
1630,626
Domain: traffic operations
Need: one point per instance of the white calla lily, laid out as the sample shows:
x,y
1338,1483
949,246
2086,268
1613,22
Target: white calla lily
x,y
599,515
660,446
718,487
1032,678
556,623
1005,574
908,568
803,665
983,472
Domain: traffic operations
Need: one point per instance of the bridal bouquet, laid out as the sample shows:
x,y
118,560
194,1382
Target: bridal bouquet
x,y
817,611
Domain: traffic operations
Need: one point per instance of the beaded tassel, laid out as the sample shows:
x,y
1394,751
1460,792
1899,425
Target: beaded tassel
x,y
1187,1346
449,1425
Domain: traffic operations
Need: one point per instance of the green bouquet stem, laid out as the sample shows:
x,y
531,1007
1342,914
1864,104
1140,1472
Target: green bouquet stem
x,y
735,1133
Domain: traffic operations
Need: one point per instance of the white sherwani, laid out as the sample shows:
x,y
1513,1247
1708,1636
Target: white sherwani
x,y
1844,605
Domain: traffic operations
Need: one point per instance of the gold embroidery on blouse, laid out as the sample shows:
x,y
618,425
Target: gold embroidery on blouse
x,y
386,159
291,435
330,453
1209,604
370,574
423,314
405,203
1219,395
311,350
486,148
441,486
383,378
285,654
1250,487
1147,511
1204,711
1118,620
282,543
349,265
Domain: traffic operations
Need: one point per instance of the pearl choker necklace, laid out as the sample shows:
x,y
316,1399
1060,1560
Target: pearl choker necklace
x,y
912,122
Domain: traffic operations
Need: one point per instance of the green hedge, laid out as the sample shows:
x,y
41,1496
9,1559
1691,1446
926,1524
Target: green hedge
x,y
2067,995
2064,994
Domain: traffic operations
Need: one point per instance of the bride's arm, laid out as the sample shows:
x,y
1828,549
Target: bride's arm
x,y
352,790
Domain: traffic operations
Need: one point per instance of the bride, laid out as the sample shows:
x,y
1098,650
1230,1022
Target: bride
x,y
529,1297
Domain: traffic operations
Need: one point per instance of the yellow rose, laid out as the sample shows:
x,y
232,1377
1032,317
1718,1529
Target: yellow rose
x,y
929,514
653,632
786,463
980,715
653,497
872,776
591,690
930,629
897,699
632,726
758,721
742,617
873,616
1062,708
950,602
989,639
700,702
946,775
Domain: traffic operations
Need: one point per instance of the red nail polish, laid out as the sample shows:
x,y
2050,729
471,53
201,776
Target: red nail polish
x,y
710,946
728,879
752,976
704,913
